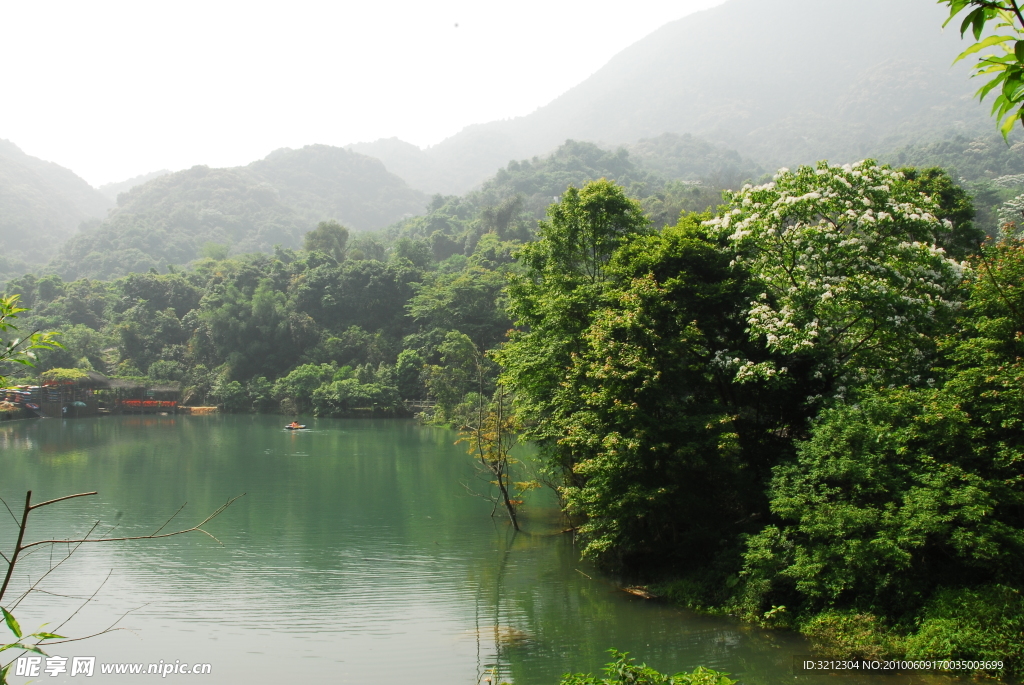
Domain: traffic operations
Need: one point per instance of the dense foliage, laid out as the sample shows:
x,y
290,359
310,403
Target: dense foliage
x,y
805,408
624,671
801,406
176,218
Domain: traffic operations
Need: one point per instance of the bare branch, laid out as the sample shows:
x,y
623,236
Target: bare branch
x,y
9,511
60,499
35,586
82,605
196,528
185,504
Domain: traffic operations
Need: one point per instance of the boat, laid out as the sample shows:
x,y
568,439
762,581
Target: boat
x,y
294,426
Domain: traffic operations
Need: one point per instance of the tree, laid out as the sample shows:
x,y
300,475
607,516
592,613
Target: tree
x,y
553,302
912,496
19,350
449,382
491,436
329,237
640,412
409,370
851,284
1004,71
468,301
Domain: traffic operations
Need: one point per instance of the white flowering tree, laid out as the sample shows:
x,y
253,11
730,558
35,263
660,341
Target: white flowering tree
x,y
848,278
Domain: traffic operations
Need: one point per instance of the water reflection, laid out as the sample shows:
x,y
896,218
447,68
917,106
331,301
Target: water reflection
x,y
355,556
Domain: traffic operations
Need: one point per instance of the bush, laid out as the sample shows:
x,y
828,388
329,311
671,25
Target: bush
x,y
622,671
985,623
851,635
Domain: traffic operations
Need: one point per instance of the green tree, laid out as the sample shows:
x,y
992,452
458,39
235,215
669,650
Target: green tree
x,y
911,490
640,411
469,301
852,284
624,670
457,374
409,371
300,383
329,237
553,302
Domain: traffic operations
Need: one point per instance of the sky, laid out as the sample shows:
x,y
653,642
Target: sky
x,y
112,90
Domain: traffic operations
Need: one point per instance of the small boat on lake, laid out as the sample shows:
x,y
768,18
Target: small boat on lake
x,y
295,426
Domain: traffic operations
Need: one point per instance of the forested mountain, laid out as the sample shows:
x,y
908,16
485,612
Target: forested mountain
x,y
509,203
273,201
112,190
41,205
784,82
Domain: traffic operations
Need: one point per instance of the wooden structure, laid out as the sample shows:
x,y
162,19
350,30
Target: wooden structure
x,y
69,399
142,397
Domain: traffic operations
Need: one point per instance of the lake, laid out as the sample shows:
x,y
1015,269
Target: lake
x,y
359,553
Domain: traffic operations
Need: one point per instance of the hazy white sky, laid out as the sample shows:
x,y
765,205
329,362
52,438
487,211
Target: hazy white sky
x,y
116,89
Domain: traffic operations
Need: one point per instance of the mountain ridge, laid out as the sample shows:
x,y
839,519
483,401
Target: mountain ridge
x,y
723,74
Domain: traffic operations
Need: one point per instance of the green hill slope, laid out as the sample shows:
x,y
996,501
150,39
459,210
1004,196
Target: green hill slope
x,y
784,82
41,205
273,201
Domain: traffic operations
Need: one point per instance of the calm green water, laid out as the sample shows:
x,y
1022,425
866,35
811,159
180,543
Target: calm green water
x,y
357,555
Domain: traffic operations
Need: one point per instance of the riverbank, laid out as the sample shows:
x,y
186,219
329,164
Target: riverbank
x,y
973,628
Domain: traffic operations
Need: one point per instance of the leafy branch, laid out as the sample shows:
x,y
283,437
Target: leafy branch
x,y
20,350
1003,71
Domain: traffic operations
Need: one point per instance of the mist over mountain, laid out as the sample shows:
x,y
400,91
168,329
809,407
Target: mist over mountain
x,y
41,205
273,201
112,190
783,82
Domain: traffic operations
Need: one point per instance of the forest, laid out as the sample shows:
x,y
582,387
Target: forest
x,y
793,397
798,403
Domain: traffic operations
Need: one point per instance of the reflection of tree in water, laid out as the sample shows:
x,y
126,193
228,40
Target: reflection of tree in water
x,y
492,626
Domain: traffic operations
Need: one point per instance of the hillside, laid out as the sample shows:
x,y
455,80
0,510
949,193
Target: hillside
x,y
273,201
784,82
41,205
112,190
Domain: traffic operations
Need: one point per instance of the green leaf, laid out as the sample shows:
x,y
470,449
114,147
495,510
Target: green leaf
x,y
1018,51
1010,85
985,89
47,636
11,622
981,45
979,22
970,19
1008,124
955,7
21,645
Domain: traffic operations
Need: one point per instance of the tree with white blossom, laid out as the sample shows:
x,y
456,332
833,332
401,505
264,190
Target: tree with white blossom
x,y
848,274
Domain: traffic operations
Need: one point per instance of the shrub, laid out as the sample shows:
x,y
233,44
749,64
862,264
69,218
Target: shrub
x,y
985,623
622,671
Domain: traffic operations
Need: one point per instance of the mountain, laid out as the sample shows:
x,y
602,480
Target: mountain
x,y
41,205
322,182
784,82
273,201
112,190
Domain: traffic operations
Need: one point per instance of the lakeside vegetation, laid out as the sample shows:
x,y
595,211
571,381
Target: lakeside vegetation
x,y
801,409
798,403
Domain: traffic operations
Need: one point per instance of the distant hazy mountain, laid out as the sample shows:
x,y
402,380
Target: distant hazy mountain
x,y
273,201
112,190
780,81
41,205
